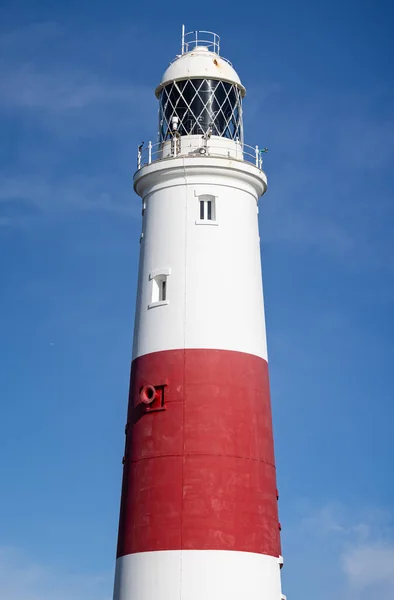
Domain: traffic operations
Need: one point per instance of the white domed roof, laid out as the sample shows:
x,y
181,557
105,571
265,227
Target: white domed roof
x,y
200,63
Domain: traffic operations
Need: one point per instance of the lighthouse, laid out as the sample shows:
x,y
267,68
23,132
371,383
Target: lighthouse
x,y
199,505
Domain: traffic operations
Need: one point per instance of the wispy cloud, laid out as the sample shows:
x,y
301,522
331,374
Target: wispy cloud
x,y
329,170
24,579
32,197
30,80
370,564
69,130
69,92
351,553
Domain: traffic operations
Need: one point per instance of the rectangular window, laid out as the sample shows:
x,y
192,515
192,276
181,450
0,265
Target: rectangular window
x,y
159,289
207,208
162,293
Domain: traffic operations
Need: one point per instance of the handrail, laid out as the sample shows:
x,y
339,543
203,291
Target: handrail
x,y
211,147
191,39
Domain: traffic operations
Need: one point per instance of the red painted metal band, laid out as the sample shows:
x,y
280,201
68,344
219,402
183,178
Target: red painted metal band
x,y
199,461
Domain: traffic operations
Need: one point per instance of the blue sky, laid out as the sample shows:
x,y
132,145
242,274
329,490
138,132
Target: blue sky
x,y
76,98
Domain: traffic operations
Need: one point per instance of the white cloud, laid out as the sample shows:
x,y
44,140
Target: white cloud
x,y
367,565
325,521
24,579
342,553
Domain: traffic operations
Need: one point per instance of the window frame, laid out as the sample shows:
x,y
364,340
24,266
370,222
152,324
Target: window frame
x,y
159,287
207,203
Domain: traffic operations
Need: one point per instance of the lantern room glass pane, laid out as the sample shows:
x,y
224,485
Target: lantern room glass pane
x,y
201,106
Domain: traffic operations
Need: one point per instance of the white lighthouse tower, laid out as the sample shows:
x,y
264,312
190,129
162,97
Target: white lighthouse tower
x,y
199,516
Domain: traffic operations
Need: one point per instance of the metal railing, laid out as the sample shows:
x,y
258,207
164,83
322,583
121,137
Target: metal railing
x,y
211,147
191,39
194,39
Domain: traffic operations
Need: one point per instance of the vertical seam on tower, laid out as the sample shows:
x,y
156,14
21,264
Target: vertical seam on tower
x,y
184,378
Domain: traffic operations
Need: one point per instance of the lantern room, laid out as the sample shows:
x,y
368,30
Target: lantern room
x,y
200,92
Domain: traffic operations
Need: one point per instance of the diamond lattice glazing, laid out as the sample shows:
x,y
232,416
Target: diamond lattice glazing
x,y
201,105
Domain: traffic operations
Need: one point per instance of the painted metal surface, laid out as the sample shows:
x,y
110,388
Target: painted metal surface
x,y
200,62
197,575
200,473
215,276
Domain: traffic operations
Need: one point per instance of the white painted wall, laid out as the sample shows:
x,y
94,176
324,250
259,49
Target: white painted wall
x,y
197,575
214,291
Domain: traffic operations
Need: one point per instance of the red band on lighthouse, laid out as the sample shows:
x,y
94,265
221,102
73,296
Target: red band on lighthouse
x,y
201,474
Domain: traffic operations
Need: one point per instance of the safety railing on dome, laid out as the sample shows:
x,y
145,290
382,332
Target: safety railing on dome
x,y
211,147
192,39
